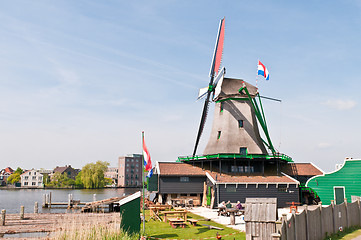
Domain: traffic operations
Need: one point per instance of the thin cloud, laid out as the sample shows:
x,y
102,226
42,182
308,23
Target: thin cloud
x,y
324,145
340,104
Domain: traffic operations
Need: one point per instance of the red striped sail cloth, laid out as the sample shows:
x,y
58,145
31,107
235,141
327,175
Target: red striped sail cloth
x,y
218,51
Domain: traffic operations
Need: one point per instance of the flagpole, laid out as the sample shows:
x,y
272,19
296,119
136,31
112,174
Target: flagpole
x,y
257,73
143,183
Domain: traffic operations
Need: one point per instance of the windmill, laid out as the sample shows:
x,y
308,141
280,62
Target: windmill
x,y
236,125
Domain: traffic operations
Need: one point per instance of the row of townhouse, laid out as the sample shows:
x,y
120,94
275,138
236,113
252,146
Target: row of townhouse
x,y
35,178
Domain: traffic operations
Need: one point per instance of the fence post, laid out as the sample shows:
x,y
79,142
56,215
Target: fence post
x,y
347,215
294,223
284,221
69,200
321,229
359,215
3,214
333,216
307,226
50,200
21,212
44,200
36,208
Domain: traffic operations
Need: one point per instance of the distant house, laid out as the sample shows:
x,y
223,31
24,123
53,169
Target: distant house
x,y
67,169
344,182
112,173
32,179
4,174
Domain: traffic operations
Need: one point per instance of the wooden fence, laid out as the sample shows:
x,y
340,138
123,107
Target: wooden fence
x,y
320,222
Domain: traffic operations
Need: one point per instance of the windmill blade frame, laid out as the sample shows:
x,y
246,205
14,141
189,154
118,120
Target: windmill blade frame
x,y
216,62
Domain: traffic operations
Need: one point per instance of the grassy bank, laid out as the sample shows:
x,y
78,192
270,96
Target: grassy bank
x,y
157,229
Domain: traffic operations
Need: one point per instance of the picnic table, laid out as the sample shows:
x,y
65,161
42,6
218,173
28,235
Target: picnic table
x,y
167,213
154,210
232,213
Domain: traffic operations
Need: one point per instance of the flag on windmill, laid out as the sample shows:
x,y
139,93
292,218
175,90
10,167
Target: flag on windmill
x,y
147,160
262,70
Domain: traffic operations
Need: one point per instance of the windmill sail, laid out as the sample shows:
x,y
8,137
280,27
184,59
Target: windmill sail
x,y
216,63
218,50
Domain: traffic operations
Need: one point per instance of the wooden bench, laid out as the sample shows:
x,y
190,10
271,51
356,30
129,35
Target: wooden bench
x,y
176,224
193,222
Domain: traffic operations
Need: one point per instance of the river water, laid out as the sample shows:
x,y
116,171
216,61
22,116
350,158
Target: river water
x,y
12,199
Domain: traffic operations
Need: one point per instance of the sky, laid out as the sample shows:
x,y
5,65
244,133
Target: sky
x,y
80,80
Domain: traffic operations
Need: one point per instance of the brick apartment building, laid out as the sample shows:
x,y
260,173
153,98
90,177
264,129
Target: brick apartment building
x,y
130,171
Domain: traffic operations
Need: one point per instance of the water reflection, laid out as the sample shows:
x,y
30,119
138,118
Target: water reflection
x,y
12,199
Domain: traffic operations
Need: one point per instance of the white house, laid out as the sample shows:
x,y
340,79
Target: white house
x,y
32,179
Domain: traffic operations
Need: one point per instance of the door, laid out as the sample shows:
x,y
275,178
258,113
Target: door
x,y
339,193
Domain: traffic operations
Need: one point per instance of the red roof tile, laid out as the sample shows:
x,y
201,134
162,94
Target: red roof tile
x,y
179,169
226,178
301,169
184,169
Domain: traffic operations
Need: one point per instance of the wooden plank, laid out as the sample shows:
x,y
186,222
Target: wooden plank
x,y
212,227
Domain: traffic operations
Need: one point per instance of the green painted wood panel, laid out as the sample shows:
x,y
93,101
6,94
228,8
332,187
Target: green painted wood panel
x,y
130,216
349,176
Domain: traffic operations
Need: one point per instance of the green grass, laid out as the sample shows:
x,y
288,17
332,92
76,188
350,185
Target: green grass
x,y
346,234
157,229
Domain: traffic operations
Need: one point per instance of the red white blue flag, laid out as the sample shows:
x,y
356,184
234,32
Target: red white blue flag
x,y
262,70
147,160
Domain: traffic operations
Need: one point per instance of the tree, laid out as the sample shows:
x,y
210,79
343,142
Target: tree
x,y
19,170
14,178
59,180
93,174
78,181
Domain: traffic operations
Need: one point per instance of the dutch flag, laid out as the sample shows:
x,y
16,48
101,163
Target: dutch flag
x,y
262,70
147,160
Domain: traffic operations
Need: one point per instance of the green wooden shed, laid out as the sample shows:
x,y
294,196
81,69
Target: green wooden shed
x,y
130,213
339,184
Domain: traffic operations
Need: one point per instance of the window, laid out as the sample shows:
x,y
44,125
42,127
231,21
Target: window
x,y
231,188
26,177
127,169
241,169
39,183
34,177
221,107
127,164
34,173
25,183
234,169
132,160
184,179
40,178
219,135
137,160
249,169
243,151
29,173
240,123
33,183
